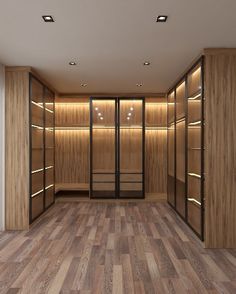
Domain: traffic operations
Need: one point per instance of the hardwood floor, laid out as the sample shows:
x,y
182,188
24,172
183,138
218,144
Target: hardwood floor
x,y
112,248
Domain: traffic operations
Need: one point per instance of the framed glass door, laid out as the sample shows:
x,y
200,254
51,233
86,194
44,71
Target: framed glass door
x,y
103,148
131,147
117,142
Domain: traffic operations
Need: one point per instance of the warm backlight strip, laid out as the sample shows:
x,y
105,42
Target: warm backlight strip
x,y
41,169
50,186
40,105
37,193
49,167
195,123
37,127
195,201
195,97
37,171
194,175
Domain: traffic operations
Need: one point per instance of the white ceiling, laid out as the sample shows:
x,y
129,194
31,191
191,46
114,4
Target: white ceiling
x,y
111,39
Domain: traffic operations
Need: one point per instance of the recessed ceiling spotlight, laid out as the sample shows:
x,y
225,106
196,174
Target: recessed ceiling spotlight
x,y
139,85
83,85
99,114
96,108
48,18
101,118
131,108
72,63
129,114
146,63
128,118
162,18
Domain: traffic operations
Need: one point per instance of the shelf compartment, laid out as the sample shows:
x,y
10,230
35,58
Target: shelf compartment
x,y
37,182
194,186
71,187
37,159
194,216
37,204
49,196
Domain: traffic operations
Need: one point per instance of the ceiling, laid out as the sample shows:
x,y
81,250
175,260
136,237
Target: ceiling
x,y
110,40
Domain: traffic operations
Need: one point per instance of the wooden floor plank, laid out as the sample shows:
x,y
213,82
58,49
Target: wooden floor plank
x,y
112,247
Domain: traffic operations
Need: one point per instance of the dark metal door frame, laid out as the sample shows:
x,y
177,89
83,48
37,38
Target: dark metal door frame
x,y
117,145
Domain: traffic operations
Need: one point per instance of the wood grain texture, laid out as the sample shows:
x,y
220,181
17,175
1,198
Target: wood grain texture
x,y
220,138
156,163
156,145
17,150
72,156
109,247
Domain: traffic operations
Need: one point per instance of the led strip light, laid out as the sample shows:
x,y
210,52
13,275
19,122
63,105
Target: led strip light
x,y
37,127
195,123
194,200
35,194
41,106
195,97
194,175
49,187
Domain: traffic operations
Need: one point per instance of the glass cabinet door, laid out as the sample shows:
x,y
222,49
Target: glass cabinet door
x,y
49,147
103,163
195,150
180,148
171,148
37,148
131,148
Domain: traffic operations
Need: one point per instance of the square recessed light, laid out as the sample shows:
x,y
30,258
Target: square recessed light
x,y
48,18
162,18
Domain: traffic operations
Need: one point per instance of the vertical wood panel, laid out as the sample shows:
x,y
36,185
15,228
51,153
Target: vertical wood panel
x,y
72,146
17,150
156,146
220,139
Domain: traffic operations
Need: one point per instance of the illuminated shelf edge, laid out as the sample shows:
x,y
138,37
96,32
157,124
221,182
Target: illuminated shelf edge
x,y
195,175
195,201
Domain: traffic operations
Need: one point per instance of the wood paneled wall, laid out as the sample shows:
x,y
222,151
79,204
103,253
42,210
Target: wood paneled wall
x,y
72,146
156,146
220,141
17,150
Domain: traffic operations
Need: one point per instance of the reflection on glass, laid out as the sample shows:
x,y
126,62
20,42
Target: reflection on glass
x,y
131,148
104,149
194,149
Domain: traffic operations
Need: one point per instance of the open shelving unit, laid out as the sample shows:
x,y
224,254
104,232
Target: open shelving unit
x,y
186,148
72,145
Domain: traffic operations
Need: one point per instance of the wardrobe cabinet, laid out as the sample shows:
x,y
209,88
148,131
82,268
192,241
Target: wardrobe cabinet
x,y
201,156
72,139
29,147
117,148
186,157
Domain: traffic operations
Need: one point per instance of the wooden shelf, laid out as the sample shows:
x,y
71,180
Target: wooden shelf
x,y
71,187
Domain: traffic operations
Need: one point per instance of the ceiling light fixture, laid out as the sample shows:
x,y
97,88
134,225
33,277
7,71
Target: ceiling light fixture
x,y
48,18
83,85
99,114
131,108
72,63
128,118
129,114
101,118
96,108
162,18
146,63
139,85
